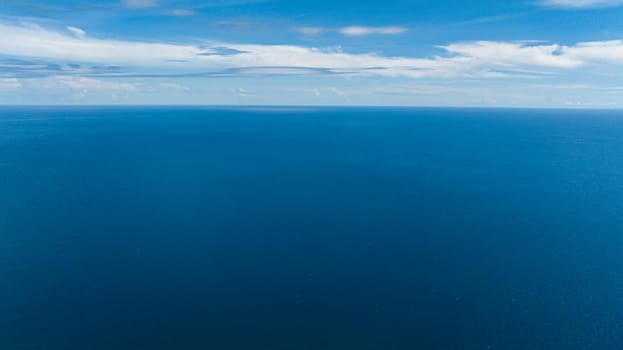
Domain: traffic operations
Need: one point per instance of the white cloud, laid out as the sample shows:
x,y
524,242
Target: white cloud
x,y
139,4
362,31
582,4
483,59
77,32
34,41
610,52
512,55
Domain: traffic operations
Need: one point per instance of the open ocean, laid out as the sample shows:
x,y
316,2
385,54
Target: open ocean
x,y
310,229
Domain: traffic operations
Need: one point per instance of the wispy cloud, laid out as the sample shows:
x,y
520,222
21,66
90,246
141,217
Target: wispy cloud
x,y
139,4
9,84
310,30
362,31
173,86
239,91
181,13
582,4
85,84
238,25
27,68
79,33
353,30
482,59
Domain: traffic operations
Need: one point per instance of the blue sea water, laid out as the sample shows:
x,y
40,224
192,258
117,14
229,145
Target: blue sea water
x,y
310,228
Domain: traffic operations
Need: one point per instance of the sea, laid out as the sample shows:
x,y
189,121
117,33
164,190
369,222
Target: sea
x,y
310,228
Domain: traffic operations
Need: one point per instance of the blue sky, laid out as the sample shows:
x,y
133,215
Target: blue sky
x,y
541,53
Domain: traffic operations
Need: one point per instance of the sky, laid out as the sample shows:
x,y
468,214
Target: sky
x,y
481,53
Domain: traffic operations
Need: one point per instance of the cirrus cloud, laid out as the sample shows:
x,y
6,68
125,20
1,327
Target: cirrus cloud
x,y
79,33
139,4
582,4
362,30
181,13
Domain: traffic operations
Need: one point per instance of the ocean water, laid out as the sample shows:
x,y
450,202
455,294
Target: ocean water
x,y
310,228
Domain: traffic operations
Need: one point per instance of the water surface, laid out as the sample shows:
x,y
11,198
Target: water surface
x,y
307,228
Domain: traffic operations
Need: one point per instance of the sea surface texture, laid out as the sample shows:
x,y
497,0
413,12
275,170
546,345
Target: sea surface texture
x,y
310,229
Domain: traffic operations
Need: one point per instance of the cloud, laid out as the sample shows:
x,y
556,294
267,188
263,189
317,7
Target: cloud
x,y
139,4
310,30
237,25
362,31
608,52
239,91
86,84
276,71
181,13
582,4
74,89
9,84
116,58
71,88
339,92
353,30
219,51
27,68
77,32
517,54
173,86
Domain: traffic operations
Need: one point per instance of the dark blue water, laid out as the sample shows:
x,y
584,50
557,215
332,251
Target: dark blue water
x,y
179,228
